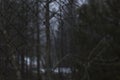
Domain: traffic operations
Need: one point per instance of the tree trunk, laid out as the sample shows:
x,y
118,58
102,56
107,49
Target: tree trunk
x,y
38,49
48,41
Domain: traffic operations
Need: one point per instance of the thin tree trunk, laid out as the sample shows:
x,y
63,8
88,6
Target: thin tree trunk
x,y
22,65
48,41
38,49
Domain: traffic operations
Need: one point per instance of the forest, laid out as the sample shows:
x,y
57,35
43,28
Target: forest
x,y
59,39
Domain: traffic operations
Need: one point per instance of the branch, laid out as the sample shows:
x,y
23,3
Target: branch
x,y
65,57
95,48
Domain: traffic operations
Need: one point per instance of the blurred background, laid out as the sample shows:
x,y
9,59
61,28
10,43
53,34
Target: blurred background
x,y
59,39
